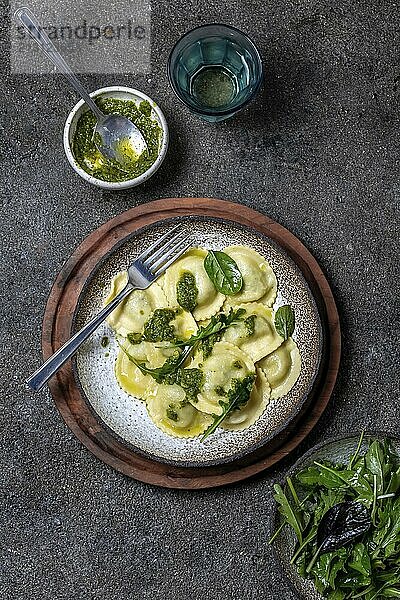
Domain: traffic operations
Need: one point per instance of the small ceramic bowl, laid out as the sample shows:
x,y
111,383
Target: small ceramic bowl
x,y
122,93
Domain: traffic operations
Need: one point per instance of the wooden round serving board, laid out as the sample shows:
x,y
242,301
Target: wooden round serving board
x,y
57,326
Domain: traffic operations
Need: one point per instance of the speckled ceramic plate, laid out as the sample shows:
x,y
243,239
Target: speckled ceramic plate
x,y
336,451
126,417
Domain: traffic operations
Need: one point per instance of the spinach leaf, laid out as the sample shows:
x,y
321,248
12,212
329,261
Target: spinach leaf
x,y
223,272
391,541
285,321
375,463
360,561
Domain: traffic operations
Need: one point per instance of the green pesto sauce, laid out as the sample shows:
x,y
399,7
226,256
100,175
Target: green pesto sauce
x,y
250,324
157,328
187,292
171,413
207,345
191,380
104,341
241,390
219,390
94,163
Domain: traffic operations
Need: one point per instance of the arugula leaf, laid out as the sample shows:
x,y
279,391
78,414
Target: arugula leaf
x,y
167,372
354,457
291,515
169,368
238,396
218,323
285,321
223,272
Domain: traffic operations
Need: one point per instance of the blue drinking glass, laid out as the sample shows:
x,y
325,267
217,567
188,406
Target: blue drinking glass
x,y
215,70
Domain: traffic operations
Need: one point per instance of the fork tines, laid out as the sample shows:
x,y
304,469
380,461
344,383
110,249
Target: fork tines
x,y
158,258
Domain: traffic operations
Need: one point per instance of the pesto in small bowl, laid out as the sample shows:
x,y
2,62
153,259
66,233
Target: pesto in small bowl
x,y
94,163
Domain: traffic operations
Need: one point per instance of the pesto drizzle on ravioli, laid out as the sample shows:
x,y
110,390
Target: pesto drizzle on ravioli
x,y
186,291
171,413
156,329
250,324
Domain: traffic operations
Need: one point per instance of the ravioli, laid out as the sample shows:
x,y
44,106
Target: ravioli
x,y
134,311
209,301
170,412
263,340
251,347
259,281
282,368
130,377
253,409
225,363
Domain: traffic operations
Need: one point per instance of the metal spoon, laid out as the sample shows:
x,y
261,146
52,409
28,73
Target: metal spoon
x,y
115,136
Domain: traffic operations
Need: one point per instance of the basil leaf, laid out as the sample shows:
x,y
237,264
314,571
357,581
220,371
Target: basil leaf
x,y
223,272
284,321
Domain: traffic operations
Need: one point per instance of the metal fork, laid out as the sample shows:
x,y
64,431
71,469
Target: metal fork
x,y
148,267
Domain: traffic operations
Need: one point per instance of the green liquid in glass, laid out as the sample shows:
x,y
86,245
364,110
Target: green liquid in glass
x,y
214,87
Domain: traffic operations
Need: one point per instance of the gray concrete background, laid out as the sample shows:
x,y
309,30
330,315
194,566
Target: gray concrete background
x,y
319,152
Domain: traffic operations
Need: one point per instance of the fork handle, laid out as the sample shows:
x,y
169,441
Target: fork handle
x,y
56,361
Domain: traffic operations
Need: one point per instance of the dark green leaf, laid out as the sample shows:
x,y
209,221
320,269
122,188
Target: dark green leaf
x,y
337,595
218,323
321,570
341,557
392,537
285,321
375,463
223,272
394,483
341,525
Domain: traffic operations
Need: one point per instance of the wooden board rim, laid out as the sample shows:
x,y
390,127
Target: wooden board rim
x,y
58,320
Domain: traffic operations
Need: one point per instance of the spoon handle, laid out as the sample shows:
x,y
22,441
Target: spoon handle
x,y
29,21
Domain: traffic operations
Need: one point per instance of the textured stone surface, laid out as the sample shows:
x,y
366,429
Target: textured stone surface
x,y
318,152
